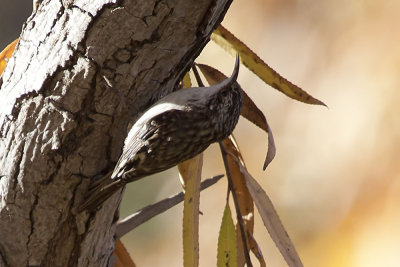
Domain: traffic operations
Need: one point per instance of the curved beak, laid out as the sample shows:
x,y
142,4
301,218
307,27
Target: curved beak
x,y
229,81
235,72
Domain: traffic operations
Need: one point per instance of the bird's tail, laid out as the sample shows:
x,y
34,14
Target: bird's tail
x,y
101,193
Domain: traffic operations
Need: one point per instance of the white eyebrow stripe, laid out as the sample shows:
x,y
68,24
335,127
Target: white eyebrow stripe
x,y
151,113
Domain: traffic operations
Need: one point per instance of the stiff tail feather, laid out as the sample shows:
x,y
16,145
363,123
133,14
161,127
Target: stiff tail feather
x,y
100,194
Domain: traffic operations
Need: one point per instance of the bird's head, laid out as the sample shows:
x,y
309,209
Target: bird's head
x,y
225,99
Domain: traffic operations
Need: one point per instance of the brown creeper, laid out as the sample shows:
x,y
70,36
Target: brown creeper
x,y
176,128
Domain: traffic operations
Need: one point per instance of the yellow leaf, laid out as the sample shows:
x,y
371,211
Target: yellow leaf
x,y
249,110
226,255
252,61
122,255
190,174
187,83
6,54
256,250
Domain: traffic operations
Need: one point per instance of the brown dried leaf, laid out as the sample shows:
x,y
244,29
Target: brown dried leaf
x,y
249,110
253,62
241,260
243,196
213,76
141,216
190,174
271,221
122,255
256,250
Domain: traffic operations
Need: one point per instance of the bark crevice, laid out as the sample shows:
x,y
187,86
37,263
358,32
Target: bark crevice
x,y
62,124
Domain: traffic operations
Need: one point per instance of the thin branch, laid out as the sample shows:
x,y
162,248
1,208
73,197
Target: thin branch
x,y
235,201
141,216
197,76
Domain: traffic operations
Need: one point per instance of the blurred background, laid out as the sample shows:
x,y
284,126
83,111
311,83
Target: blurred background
x,y
335,181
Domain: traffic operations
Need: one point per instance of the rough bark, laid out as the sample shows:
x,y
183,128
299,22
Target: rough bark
x,y
61,125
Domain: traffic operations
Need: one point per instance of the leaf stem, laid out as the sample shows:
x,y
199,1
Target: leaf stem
x,y
235,201
197,76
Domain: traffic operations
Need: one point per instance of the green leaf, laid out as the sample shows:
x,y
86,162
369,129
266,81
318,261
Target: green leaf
x,y
226,256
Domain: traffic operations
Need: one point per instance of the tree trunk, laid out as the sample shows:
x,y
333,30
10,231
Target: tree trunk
x,y
62,124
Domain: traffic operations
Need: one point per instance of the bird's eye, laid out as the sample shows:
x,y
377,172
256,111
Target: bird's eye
x,y
224,93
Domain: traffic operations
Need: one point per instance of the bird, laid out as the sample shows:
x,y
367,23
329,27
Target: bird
x,y
176,128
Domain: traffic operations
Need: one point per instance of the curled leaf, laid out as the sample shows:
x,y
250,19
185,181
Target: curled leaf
x,y
256,250
249,110
253,62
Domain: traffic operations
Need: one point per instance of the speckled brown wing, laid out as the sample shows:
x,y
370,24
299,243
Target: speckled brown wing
x,y
131,150
170,138
159,144
176,128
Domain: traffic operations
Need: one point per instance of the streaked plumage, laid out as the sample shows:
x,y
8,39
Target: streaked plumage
x,y
176,128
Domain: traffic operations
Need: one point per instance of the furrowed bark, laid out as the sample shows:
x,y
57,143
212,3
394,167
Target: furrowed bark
x,y
61,124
